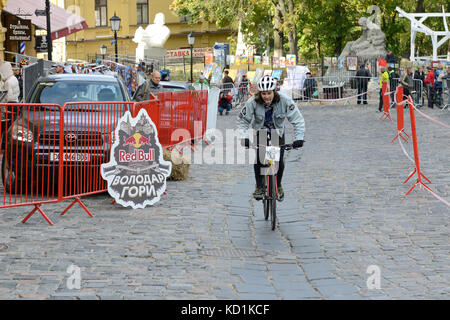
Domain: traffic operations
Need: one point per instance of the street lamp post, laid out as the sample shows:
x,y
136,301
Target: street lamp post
x,y
103,51
115,26
191,40
49,31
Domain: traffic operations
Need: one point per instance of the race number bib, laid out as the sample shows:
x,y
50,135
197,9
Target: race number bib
x,y
273,153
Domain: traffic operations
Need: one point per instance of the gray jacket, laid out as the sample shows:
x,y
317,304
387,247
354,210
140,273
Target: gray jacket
x,y
253,115
143,91
408,81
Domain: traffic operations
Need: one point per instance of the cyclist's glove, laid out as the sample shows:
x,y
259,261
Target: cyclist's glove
x,y
245,143
297,144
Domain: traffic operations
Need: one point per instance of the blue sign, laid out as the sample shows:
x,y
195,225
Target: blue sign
x,y
222,46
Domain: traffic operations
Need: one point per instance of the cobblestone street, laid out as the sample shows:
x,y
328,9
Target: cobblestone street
x,y
344,210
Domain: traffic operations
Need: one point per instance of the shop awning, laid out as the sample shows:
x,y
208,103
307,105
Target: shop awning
x,y
62,22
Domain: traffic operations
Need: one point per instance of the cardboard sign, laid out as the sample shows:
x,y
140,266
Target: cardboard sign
x,y
290,60
136,172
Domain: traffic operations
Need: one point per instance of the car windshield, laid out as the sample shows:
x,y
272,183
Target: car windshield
x,y
76,91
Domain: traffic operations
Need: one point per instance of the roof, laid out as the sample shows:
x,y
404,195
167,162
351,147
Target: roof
x,y
62,23
79,77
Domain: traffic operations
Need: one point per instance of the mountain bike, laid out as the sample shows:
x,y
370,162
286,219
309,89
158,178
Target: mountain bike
x,y
269,169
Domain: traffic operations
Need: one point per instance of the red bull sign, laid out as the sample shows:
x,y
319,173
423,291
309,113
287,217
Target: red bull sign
x,y
136,172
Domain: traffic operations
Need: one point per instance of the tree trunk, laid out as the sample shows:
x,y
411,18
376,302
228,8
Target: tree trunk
x,y
277,35
318,49
286,23
419,7
294,45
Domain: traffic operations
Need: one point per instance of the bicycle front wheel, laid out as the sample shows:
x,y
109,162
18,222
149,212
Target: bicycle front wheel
x,y
266,203
273,203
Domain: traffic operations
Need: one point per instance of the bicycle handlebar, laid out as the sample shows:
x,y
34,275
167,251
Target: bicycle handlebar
x,y
288,146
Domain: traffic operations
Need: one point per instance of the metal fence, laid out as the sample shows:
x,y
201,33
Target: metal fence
x,y
51,153
344,88
239,93
180,68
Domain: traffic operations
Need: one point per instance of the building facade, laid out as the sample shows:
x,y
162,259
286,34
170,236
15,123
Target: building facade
x,y
133,14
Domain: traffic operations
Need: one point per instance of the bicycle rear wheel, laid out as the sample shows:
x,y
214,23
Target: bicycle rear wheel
x,y
273,202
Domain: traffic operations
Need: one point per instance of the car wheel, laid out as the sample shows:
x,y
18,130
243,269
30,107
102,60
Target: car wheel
x,y
11,179
8,176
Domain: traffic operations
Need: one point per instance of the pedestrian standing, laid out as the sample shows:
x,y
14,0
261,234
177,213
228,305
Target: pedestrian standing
x,y
384,77
429,82
391,59
227,82
10,83
151,85
309,86
11,86
394,79
204,85
362,80
438,86
59,68
446,78
408,82
419,76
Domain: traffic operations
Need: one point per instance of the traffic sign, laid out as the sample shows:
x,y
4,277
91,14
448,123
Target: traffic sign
x,y
40,12
221,46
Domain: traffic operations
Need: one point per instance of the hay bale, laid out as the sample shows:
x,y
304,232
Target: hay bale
x,y
180,165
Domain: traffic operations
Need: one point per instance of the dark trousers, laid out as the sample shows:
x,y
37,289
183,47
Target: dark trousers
x,y
362,93
380,106
224,106
257,166
430,95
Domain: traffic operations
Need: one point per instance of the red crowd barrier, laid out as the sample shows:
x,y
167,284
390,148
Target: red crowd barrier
x,y
400,118
416,151
51,153
88,137
28,173
385,99
175,110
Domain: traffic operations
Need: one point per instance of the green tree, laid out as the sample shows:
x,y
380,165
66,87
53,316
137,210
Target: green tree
x,y
314,28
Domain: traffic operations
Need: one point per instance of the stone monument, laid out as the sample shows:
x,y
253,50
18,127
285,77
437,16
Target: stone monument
x,y
151,39
370,44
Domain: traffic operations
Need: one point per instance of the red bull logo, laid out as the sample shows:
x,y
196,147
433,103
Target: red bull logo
x,y
137,156
137,140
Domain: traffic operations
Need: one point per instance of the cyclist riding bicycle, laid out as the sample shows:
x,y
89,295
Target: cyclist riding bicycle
x,y
268,110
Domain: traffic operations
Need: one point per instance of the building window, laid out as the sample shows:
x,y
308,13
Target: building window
x,y
142,11
185,19
101,15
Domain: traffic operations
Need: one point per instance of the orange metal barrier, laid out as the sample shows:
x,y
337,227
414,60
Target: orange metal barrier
x,y
385,97
400,119
28,143
88,137
416,152
176,110
51,153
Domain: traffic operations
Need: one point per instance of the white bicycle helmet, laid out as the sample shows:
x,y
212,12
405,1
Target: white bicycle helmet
x,y
267,83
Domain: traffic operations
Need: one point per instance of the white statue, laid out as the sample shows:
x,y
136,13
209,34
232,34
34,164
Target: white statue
x,y
154,36
371,43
